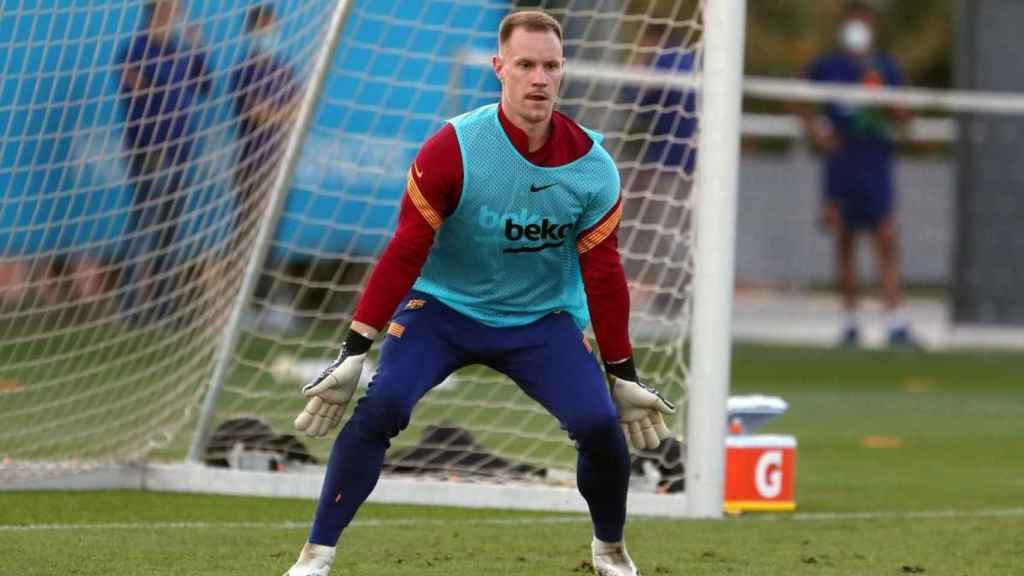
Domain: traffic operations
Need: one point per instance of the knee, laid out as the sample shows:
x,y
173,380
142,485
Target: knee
x,y
600,437
885,233
382,412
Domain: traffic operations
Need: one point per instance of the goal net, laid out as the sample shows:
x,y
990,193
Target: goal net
x,y
190,223
128,215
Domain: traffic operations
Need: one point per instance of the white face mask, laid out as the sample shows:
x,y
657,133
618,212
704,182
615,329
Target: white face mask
x,y
856,36
179,30
267,41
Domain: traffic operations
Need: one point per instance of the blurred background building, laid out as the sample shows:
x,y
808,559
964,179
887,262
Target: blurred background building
x,y
957,187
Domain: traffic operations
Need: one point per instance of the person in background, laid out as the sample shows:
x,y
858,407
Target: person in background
x,y
265,96
656,202
673,130
163,74
857,146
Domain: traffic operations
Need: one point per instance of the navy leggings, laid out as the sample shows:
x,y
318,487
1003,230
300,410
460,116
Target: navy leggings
x,y
547,359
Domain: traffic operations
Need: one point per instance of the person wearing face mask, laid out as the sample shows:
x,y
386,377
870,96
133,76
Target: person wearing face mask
x,y
658,189
856,142
163,74
265,96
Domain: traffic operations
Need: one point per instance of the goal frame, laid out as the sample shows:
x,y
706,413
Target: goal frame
x,y
710,341
714,261
710,349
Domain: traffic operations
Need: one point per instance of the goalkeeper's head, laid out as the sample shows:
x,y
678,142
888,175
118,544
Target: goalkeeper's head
x,y
529,65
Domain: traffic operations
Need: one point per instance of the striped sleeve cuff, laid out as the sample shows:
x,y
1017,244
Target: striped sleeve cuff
x,y
421,204
598,233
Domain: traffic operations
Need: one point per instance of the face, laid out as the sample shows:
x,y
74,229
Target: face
x,y
265,37
164,15
856,34
265,23
529,65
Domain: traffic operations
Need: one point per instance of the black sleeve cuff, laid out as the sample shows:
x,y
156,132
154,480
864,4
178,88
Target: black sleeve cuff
x,y
623,370
356,343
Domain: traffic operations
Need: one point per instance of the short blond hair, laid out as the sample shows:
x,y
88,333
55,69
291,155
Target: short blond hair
x,y
532,20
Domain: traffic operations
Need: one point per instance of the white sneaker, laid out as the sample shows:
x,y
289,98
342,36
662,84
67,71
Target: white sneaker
x,y
611,559
314,560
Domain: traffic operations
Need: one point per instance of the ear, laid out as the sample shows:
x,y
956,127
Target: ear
x,y
498,65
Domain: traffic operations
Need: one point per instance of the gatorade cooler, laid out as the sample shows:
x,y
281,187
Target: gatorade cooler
x,y
760,473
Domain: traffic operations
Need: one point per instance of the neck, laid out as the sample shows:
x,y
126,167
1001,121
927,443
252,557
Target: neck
x,y
862,56
536,132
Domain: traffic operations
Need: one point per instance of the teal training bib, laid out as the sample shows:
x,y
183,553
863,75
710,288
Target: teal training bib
x,y
507,255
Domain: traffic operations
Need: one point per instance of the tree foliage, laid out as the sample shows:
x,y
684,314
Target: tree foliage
x,y
784,35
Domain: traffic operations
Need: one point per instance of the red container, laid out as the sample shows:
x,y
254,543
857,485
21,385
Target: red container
x,y
760,473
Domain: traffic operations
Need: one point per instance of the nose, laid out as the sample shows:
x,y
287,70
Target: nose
x,y
539,77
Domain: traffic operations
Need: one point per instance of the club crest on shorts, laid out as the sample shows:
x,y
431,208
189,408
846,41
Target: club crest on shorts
x,y
415,304
395,329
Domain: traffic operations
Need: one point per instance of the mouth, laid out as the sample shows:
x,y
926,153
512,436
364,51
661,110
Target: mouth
x,y
537,97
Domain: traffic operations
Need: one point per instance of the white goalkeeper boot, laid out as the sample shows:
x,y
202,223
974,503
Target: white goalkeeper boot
x,y
611,559
314,560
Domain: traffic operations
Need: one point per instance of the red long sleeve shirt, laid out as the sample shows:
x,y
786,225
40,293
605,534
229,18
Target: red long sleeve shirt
x,y
433,194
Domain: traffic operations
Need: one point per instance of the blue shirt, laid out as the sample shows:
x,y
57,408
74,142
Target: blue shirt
x,y
260,79
675,123
864,132
160,114
508,253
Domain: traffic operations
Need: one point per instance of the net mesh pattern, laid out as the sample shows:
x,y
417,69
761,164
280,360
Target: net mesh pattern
x,y
109,329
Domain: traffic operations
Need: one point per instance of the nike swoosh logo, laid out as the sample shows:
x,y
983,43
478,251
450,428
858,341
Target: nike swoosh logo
x,y
419,173
535,188
533,248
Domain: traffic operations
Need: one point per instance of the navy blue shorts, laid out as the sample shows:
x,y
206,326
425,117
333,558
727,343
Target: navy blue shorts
x,y
548,359
865,208
864,192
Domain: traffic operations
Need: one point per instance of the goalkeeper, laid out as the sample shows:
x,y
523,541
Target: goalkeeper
x,y
506,248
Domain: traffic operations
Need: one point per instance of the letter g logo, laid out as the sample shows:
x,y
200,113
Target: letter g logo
x,y
768,474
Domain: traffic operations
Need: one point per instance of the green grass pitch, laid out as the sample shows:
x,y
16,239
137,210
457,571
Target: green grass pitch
x,y
907,464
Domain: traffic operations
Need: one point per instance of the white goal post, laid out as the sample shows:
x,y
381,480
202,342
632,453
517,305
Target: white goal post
x,y
715,254
243,293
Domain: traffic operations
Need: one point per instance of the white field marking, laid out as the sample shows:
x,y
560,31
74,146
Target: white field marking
x,y
578,519
292,525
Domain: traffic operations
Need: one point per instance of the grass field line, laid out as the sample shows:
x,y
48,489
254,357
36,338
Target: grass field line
x,y
561,519
909,515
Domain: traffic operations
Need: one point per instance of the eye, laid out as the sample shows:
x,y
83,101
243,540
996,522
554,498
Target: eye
x,y
553,66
